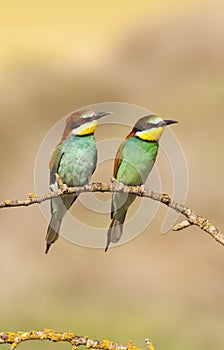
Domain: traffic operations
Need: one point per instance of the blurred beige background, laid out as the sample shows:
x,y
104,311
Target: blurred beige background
x,y
168,57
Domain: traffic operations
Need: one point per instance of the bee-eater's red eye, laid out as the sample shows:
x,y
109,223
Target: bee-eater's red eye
x,y
82,120
147,125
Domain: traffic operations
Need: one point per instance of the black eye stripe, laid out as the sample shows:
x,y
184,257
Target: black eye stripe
x,y
76,123
147,126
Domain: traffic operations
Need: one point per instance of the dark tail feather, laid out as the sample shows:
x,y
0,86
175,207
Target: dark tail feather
x,y
115,230
52,233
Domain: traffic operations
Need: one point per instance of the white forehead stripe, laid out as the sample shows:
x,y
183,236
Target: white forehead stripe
x,y
88,114
156,120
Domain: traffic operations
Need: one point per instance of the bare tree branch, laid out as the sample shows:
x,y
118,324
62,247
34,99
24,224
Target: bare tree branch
x,y
75,340
192,218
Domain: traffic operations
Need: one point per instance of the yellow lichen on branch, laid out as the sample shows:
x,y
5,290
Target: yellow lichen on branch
x,y
115,186
75,340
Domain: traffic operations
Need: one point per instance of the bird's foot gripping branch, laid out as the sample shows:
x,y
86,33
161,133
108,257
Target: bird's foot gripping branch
x,y
75,340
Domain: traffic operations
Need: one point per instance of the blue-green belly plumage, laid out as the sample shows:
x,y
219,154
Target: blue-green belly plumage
x,y
78,161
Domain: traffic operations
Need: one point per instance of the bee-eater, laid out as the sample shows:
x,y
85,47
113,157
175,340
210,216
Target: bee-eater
x,y
133,163
74,159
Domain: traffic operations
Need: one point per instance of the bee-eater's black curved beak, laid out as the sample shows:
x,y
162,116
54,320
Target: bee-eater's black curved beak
x,y
101,114
167,122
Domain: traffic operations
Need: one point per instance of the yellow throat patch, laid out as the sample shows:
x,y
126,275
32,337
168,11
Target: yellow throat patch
x,y
85,129
152,134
